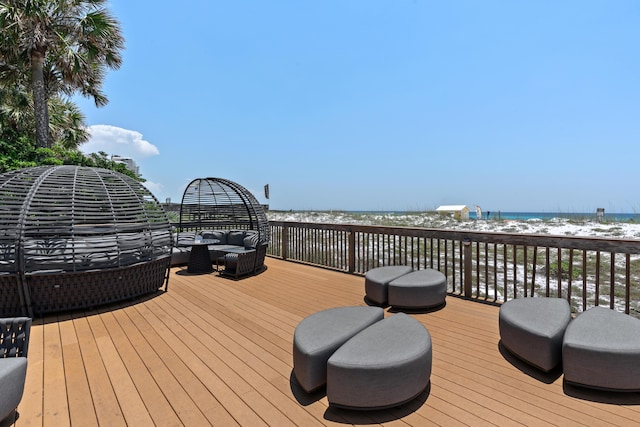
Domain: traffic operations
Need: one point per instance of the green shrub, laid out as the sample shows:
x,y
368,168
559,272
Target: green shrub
x,y
576,272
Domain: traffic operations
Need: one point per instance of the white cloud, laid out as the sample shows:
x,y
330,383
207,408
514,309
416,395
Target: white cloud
x,y
115,140
155,188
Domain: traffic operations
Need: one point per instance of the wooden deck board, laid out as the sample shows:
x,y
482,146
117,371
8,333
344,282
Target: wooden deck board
x,y
78,392
54,408
214,351
31,402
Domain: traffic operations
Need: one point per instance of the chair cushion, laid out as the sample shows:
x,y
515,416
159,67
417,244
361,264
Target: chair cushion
x,y
236,237
220,235
13,372
185,238
251,241
601,349
180,255
207,234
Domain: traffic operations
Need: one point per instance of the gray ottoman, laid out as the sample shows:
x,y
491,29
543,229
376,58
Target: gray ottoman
x,y
318,336
13,372
377,279
601,350
419,289
386,365
533,328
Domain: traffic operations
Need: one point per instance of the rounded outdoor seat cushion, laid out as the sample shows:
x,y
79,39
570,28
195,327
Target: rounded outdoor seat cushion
x,y
418,289
319,335
180,255
386,365
377,279
13,372
533,328
235,237
601,349
184,238
220,235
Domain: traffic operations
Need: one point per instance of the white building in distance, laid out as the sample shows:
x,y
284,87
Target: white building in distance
x,y
454,211
128,162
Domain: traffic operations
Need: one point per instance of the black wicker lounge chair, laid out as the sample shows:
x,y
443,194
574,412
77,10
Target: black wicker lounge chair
x,y
223,210
75,237
238,264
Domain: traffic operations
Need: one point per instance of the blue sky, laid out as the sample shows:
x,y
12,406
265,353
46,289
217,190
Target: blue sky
x,y
382,105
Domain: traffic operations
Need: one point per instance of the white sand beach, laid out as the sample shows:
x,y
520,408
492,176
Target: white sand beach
x,y
555,226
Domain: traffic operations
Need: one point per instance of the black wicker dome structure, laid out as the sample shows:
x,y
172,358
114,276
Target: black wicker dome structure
x,y
74,237
220,204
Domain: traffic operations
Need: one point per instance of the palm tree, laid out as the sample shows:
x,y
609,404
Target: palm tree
x,y
16,109
66,122
63,46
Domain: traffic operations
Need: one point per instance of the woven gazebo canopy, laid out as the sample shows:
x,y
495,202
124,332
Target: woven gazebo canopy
x,y
220,204
66,220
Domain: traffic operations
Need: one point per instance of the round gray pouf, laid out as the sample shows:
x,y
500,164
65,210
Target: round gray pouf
x,y
601,349
533,329
419,289
377,279
319,335
385,365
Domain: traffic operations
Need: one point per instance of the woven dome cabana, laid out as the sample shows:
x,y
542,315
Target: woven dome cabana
x,y
74,237
220,204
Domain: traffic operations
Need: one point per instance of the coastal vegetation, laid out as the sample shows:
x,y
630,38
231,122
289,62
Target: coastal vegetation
x,y
562,224
563,269
51,50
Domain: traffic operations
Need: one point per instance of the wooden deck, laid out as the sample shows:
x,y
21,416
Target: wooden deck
x,y
213,351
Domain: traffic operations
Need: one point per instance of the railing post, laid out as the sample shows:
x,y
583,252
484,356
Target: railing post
x,y
352,251
467,267
285,241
